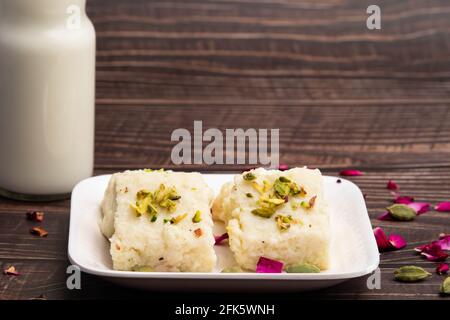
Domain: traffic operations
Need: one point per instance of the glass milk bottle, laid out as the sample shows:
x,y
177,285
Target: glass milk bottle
x,y
47,96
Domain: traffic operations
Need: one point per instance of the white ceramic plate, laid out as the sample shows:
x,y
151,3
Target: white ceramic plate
x,y
354,251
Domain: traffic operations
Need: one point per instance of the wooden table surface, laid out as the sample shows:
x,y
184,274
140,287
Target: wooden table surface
x,y
342,96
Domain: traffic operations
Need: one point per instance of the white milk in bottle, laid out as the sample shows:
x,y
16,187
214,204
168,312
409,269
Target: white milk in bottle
x,y
47,93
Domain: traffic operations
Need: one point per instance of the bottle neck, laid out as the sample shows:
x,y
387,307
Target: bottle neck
x,y
46,10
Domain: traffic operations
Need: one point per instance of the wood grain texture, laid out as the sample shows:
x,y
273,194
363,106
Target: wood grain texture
x,y
341,95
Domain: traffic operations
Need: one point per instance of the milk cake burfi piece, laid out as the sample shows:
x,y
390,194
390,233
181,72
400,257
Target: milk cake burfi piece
x,y
280,215
159,221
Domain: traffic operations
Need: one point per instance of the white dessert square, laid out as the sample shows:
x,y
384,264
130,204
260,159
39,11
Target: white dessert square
x,y
159,221
280,215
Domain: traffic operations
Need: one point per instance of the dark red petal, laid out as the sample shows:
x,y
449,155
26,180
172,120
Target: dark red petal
x,y
351,173
420,248
443,206
442,268
419,207
221,238
382,240
391,185
404,199
385,216
283,167
397,241
266,265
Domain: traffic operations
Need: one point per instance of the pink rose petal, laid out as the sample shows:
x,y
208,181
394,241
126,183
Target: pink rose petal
x,y
385,216
351,173
391,185
283,167
266,265
397,241
404,199
433,252
221,238
382,240
442,268
444,242
443,206
419,207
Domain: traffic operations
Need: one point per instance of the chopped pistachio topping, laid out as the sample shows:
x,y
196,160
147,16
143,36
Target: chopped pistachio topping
x,y
197,217
257,187
283,222
282,189
309,204
266,186
147,202
249,195
177,219
272,201
154,218
249,177
284,180
264,212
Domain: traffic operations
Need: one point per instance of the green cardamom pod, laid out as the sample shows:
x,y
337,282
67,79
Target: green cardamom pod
x,y
445,288
302,268
401,212
411,274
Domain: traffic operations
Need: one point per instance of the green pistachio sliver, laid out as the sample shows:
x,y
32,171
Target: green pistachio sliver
x,y
445,287
302,268
257,187
142,269
233,269
197,217
264,212
170,205
282,190
283,222
153,218
284,179
136,208
401,212
249,176
266,186
166,220
177,219
272,201
148,170
410,274
249,195
309,204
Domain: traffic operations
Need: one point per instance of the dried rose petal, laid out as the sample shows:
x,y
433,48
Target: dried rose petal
x,y
36,216
11,271
444,242
443,206
283,167
433,252
221,238
403,200
382,240
38,231
419,207
351,173
397,241
385,216
391,185
266,265
442,268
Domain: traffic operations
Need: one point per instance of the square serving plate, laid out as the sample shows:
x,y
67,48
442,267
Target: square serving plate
x,y
354,251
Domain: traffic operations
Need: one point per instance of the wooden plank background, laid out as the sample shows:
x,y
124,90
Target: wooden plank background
x,y
341,95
